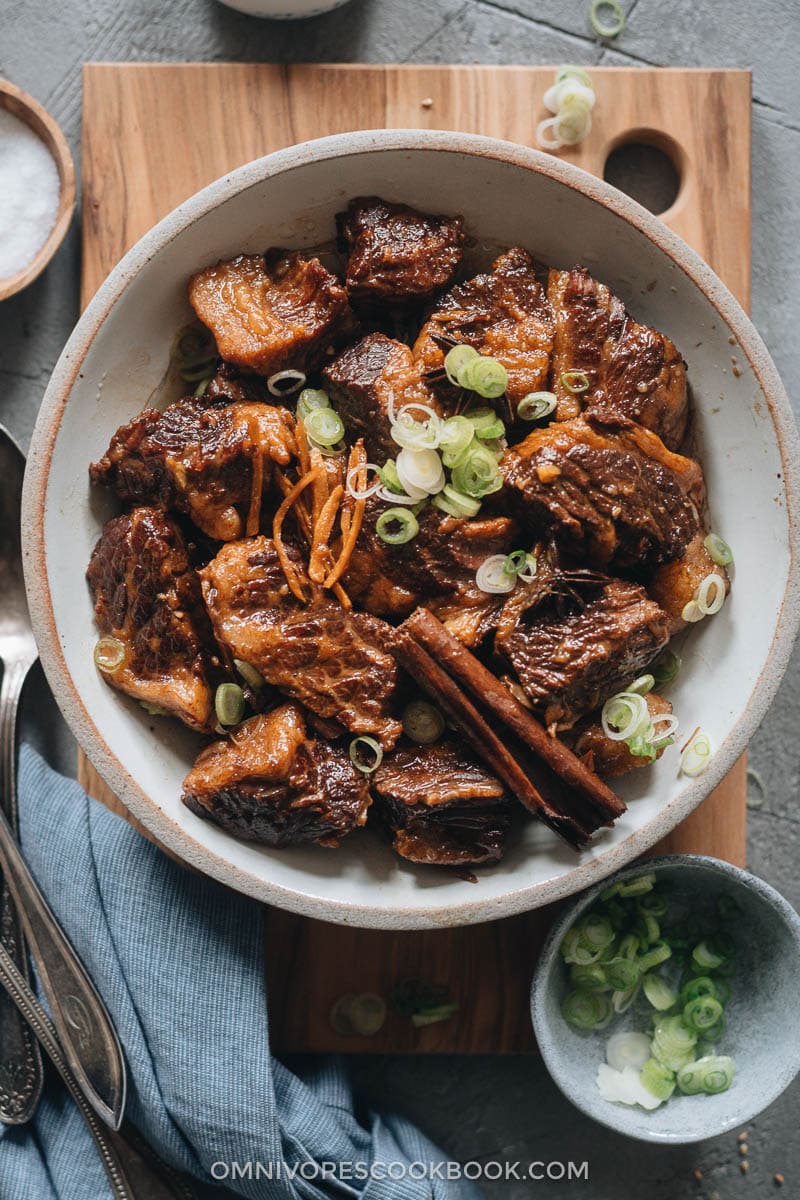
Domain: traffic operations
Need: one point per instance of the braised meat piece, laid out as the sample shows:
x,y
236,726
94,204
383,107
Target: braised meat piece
x,y
231,386
268,782
397,257
147,596
674,584
438,564
607,489
611,759
335,662
362,382
632,369
503,313
212,462
442,806
574,638
270,313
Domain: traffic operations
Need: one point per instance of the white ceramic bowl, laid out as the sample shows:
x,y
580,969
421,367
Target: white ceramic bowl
x,y
284,10
119,351
761,1029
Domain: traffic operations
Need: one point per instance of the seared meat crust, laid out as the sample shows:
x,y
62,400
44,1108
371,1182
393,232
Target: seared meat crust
x,y
363,381
442,806
397,256
573,648
147,595
607,490
633,370
334,661
198,459
267,314
269,783
503,313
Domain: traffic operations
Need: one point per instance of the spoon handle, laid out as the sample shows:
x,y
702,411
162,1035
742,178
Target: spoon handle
x,y
21,1075
84,1027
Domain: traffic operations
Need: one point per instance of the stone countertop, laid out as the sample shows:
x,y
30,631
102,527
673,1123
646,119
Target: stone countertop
x,y
491,1110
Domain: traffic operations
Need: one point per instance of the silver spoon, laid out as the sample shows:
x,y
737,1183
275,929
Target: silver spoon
x,y
84,1027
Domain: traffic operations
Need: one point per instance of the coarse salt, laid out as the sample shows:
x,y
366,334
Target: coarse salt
x,y
29,193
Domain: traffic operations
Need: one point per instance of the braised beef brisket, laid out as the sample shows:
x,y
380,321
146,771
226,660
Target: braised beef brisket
x,y
269,782
442,806
608,758
396,256
147,595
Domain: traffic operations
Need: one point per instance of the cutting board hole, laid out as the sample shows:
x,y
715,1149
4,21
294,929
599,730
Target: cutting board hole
x,y
647,172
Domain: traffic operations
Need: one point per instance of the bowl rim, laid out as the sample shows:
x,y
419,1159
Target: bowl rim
x,y
179,840
35,115
739,877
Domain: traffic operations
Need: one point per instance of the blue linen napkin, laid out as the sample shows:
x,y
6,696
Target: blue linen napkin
x,y
178,960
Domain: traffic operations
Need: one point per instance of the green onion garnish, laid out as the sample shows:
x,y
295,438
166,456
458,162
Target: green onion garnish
x,y
396,526
324,427
674,1042
622,973
712,1075
364,1015
612,26
366,754
536,405
456,435
658,992
586,1010
658,1079
697,755
590,978
486,376
229,703
422,722
659,953
477,473
642,685
575,382
457,361
249,674
718,549
706,956
665,668
309,400
702,1014
638,886
109,655
455,503
389,477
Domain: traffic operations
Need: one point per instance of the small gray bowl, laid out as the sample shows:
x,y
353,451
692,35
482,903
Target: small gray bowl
x,y
762,1030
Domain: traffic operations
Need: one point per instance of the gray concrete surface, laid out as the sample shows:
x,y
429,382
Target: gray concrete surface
x,y
484,1109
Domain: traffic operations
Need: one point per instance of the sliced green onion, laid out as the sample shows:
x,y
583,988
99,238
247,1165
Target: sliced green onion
x,y
455,503
309,400
624,716
476,473
698,988
420,472
249,674
456,436
202,387
673,1042
713,584
659,953
702,1014
422,722
193,344
665,668
653,905
568,71
596,931
658,1079
484,420
641,747
629,946
697,755
155,710
590,978
109,655
642,685
621,1001
389,477
229,703
576,382
366,754
536,405
324,427
432,1016
516,562
586,1010
712,1075
658,992
691,613
627,1050
652,929
412,434
718,549
367,1013
486,376
202,373
284,383
706,956
639,886
611,27
622,973
456,362
396,526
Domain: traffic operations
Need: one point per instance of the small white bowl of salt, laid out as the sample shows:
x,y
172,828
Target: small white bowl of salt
x,y
37,189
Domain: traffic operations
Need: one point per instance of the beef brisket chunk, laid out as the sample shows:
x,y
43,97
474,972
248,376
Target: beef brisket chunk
x,y
333,661
212,462
365,379
607,489
268,782
611,759
632,369
442,806
267,314
575,638
439,564
147,596
503,313
397,257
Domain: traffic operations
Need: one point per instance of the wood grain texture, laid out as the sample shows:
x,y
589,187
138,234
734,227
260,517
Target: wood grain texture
x,y
152,135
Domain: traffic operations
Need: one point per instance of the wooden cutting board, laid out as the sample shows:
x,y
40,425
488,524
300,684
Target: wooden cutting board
x,y
154,134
